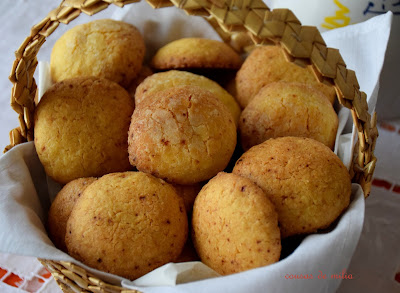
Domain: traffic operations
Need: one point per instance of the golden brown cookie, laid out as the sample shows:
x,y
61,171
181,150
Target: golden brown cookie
x,y
127,224
288,109
183,134
267,64
81,128
235,225
308,184
164,80
103,48
61,208
196,53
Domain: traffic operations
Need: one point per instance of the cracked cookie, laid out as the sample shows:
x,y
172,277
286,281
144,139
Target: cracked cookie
x,y
235,225
61,208
164,80
183,135
288,109
308,184
267,64
103,48
196,53
127,224
81,128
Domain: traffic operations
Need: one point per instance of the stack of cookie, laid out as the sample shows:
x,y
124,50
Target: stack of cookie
x,y
146,150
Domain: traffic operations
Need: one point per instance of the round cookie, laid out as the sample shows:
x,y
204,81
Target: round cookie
x,y
196,53
267,64
183,134
81,128
308,184
288,109
164,80
235,225
61,208
103,48
136,221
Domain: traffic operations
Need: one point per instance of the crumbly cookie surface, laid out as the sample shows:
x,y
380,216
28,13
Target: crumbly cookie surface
x,y
267,64
308,184
103,48
61,208
235,225
196,53
127,224
183,134
164,80
81,128
288,109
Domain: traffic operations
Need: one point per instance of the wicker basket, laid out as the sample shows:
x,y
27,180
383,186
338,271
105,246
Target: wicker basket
x,y
238,23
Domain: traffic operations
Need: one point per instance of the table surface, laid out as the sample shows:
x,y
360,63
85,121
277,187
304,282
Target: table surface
x,y
376,261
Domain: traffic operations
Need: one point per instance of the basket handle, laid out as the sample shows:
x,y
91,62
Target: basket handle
x,y
303,45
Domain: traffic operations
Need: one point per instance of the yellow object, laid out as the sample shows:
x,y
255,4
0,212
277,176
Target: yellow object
x,y
183,135
308,184
127,224
340,19
164,80
196,53
235,225
103,48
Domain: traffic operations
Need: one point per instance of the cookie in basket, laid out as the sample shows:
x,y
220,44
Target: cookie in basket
x,y
308,184
127,224
267,64
81,128
196,53
235,225
183,135
103,48
61,208
163,80
288,109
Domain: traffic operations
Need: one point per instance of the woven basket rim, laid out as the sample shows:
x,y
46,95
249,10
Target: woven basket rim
x,y
236,22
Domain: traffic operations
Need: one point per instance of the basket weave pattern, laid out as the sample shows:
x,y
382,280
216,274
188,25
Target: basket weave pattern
x,y
237,22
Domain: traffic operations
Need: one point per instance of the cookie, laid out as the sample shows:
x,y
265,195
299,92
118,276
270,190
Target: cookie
x,y
103,48
308,184
136,221
196,53
267,64
288,109
81,128
164,80
61,208
183,135
235,225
